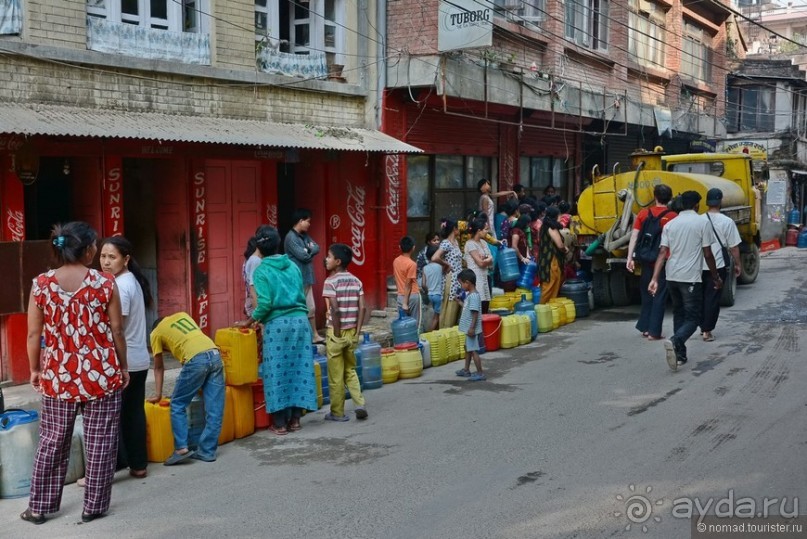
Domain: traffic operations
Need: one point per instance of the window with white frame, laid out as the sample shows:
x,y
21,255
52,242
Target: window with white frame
x,y
696,55
303,26
173,15
646,33
523,12
587,23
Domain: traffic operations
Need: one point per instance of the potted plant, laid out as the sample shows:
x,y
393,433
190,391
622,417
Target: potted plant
x,y
508,63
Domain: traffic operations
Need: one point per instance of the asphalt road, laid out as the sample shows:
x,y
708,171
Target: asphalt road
x,y
565,431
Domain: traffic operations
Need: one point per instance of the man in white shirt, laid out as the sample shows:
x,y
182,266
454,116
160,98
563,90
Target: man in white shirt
x,y
686,242
726,235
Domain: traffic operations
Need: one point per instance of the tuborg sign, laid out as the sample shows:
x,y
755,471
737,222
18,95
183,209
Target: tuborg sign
x,y
464,24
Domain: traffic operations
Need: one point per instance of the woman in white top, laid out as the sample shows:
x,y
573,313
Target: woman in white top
x,y
486,204
135,294
478,258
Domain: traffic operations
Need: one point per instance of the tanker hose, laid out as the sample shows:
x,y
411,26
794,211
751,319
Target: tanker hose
x,y
639,169
595,245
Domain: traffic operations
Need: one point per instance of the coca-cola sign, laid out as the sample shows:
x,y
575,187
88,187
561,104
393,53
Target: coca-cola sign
x,y
15,224
271,215
356,214
393,189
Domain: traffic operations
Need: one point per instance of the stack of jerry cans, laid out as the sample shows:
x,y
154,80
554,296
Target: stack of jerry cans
x,y
239,353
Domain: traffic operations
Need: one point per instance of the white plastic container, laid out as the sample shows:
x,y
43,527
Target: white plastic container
x,y
19,436
75,466
425,351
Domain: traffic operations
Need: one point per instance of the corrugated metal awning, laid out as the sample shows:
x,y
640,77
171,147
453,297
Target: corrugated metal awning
x,y
38,119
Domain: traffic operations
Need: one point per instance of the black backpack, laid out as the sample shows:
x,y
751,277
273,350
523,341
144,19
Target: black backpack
x,y
647,244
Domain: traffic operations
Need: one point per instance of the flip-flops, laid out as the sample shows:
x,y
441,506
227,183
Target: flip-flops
x,y
339,418
89,517
176,458
28,516
464,373
477,377
280,431
138,474
199,456
708,337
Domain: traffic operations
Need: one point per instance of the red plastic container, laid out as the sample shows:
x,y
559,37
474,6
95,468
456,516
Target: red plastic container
x,y
792,237
263,420
492,330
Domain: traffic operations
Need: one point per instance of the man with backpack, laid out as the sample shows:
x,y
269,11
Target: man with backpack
x,y
685,243
643,248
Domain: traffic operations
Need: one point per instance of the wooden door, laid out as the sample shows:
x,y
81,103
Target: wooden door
x,y
233,214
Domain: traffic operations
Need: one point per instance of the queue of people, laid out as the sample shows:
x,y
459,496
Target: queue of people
x,y
96,355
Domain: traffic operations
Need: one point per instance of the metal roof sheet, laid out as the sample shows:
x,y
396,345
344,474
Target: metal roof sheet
x,y
40,119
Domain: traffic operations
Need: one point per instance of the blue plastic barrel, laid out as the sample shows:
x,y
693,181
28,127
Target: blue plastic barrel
x,y
508,265
404,329
801,243
527,276
794,217
371,363
536,295
19,435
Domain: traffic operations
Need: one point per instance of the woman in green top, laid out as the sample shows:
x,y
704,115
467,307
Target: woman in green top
x,y
287,369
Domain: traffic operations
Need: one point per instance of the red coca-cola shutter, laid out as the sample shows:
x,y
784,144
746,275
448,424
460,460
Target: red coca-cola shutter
x,y
439,133
535,142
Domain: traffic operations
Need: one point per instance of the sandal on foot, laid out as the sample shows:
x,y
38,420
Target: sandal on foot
x,y
280,431
33,518
81,482
464,373
138,474
339,418
294,426
478,377
708,337
645,334
654,338
176,458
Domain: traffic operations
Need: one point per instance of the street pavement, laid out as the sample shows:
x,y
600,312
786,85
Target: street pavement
x,y
583,433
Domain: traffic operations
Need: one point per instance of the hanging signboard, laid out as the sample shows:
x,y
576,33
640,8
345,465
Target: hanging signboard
x,y
464,24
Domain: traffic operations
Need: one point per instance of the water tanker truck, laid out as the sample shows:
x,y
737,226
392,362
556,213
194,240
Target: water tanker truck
x,y
607,208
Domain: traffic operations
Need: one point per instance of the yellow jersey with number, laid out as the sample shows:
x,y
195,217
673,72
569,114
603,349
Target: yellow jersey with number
x,y
180,335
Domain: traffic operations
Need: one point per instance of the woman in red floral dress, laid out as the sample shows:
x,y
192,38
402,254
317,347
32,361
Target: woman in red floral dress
x,y
78,311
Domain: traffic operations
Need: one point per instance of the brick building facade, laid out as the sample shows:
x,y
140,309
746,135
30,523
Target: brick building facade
x,y
183,125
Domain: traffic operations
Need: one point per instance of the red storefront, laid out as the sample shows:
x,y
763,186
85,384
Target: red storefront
x,y
500,142
189,207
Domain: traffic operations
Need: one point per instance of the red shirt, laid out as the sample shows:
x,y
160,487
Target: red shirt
x,y
656,211
80,362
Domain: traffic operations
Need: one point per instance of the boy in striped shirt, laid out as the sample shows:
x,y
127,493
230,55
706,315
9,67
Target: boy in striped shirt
x,y
344,304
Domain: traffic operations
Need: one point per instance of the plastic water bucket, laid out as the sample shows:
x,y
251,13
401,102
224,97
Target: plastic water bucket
x,y
19,436
492,330
262,419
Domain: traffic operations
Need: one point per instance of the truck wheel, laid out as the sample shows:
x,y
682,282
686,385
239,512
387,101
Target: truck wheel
x,y
600,289
729,291
750,262
618,284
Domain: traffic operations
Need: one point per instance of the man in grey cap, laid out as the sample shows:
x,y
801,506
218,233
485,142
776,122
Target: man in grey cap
x,y
727,241
685,242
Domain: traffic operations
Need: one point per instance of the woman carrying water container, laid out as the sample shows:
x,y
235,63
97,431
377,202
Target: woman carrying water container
x,y
78,310
287,369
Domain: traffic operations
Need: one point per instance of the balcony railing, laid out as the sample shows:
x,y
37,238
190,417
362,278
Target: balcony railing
x,y
140,42
10,16
308,66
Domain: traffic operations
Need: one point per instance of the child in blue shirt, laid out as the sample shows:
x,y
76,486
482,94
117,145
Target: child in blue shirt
x,y
471,325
